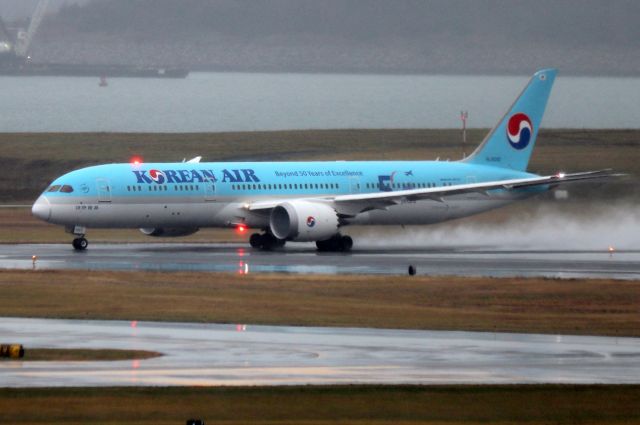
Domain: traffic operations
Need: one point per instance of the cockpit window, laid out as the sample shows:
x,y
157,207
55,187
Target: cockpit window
x,y
66,189
54,188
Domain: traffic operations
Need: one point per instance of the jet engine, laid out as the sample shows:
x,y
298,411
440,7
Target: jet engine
x,y
303,221
169,232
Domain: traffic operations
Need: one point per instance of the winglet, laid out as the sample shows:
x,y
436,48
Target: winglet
x,y
194,160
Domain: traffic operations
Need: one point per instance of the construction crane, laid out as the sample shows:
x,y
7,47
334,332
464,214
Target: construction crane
x,y
24,39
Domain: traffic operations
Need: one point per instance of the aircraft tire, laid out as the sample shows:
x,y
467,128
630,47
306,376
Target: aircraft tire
x,y
323,246
255,240
270,242
346,243
80,244
337,243
266,241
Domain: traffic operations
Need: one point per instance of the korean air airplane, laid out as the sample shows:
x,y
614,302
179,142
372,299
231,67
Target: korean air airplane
x,y
308,201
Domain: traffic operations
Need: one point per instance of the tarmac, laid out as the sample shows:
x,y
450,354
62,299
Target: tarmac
x,y
304,259
211,355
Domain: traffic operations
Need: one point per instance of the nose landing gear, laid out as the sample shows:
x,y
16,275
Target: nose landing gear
x,y
80,244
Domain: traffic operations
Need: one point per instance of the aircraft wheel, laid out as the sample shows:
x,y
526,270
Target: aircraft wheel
x,y
346,243
255,240
337,243
270,242
323,246
266,241
80,244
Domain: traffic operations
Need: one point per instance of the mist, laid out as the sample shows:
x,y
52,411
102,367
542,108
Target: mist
x,y
546,227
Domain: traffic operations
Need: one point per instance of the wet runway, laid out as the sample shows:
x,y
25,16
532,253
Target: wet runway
x,y
303,258
206,354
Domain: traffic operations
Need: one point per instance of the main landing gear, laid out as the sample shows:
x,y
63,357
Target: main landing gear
x,y
80,244
265,241
337,243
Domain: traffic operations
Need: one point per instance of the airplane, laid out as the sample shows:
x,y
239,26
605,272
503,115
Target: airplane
x,y
309,201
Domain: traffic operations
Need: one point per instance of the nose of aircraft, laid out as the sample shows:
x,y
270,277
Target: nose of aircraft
x,y
41,208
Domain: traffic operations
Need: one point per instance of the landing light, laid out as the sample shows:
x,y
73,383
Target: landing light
x,y
560,175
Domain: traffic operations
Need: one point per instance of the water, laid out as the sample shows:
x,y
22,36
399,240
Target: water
x,y
244,102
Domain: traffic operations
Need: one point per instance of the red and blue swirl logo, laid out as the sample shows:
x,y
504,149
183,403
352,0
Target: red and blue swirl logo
x,y
311,221
519,131
157,176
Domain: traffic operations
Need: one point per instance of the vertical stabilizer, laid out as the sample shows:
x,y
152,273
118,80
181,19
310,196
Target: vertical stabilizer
x,y
510,143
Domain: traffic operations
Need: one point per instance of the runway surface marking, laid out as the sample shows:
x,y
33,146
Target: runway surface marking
x,y
209,354
304,259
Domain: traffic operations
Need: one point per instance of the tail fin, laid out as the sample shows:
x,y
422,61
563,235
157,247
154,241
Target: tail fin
x,y
510,143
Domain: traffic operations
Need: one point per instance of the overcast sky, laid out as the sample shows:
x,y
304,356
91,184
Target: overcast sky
x,y
486,36
17,9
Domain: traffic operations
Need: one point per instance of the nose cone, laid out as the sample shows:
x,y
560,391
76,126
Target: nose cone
x,y
41,208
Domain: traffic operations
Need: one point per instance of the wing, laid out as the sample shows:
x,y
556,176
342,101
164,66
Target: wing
x,y
350,205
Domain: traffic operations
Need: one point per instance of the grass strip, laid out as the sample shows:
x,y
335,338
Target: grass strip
x,y
602,404
53,154
83,354
576,306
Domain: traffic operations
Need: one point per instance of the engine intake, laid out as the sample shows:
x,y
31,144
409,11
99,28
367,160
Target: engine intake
x,y
169,232
303,221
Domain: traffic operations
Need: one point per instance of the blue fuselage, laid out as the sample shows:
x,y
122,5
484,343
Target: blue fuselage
x,y
213,194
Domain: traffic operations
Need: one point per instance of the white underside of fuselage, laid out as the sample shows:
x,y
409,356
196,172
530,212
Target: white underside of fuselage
x,y
228,213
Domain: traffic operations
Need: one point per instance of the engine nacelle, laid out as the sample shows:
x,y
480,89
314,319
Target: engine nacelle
x,y
303,221
169,232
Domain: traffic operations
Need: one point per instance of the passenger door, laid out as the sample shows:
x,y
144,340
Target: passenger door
x,y
354,184
209,190
104,190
